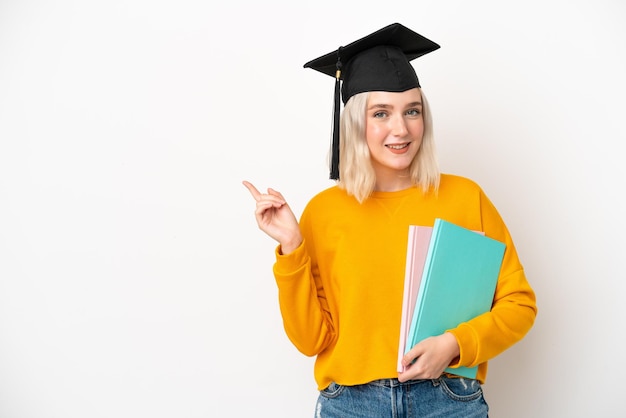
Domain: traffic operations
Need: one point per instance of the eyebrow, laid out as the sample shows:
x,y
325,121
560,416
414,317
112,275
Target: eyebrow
x,y
386,106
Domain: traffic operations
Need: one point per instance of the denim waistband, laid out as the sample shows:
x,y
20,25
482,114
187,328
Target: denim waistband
x,y
391,383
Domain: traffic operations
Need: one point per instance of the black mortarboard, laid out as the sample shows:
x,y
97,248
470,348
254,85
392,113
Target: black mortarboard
x,y
377,62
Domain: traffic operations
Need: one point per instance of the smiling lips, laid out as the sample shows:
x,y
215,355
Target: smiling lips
x,y
398,148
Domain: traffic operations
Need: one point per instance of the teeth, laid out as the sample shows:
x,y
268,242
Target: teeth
x,y
398,146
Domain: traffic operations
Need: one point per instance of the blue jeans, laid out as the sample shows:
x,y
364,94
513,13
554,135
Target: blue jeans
x,y
388,398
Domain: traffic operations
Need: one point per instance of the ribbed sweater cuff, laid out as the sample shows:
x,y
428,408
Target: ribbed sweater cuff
x,y
288,264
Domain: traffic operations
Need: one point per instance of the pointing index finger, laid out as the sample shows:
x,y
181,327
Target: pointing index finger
x,y
253,190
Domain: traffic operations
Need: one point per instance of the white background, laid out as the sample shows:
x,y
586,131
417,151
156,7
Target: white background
x,y
134,281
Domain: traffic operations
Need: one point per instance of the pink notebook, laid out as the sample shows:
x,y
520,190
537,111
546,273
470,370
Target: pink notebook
x,y
417,248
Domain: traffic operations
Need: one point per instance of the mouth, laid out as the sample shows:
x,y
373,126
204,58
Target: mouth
x,y
398,146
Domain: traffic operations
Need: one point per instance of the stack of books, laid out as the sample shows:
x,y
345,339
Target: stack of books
x,y
451,276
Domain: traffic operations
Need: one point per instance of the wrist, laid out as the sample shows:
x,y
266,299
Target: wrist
x,y
288,247
455,349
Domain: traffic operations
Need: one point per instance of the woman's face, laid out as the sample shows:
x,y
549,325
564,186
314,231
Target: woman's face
x,y
394,130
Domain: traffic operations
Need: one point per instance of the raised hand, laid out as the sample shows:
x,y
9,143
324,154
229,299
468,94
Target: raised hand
x,y
275,218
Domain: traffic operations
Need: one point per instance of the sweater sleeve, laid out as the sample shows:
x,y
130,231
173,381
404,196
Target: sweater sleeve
x,y
514,306
302,300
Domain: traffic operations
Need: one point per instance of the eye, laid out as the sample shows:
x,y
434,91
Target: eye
x,y
379,114
414,112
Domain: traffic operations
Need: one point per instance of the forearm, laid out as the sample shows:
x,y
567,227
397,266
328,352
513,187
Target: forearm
x,y
303,305
511,317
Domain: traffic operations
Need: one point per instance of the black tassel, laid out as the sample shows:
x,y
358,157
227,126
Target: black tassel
x,y
334,159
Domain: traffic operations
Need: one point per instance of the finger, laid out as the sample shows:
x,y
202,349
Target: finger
x,y
408,361
253,190
263,205
404,377
411,356
276,193
270,198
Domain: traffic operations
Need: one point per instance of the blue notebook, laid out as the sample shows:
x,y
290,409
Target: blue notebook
x,y
458,283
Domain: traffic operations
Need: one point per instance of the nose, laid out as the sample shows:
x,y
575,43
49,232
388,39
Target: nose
x,y
398,126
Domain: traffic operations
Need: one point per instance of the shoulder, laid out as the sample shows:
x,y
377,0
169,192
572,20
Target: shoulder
x,y
331,202
452,183
332,194
469,204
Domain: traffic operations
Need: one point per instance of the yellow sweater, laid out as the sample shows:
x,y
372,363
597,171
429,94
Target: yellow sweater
x,y
340,292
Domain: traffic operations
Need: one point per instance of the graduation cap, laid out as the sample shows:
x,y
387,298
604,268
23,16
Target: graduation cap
x,y
377,62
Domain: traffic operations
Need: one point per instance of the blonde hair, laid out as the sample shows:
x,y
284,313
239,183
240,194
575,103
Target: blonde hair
x,y
356,173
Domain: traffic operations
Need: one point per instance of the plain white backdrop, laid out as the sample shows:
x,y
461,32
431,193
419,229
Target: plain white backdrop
x,y
134,281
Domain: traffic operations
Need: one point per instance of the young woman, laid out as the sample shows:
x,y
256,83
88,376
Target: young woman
x,y
340,269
